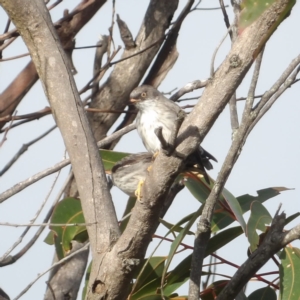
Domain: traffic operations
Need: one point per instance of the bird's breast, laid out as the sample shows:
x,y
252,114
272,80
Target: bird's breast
x,y
146,125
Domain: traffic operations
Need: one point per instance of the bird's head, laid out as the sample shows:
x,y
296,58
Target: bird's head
x,y
143,93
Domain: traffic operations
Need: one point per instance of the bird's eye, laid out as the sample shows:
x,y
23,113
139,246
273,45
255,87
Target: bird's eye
x,y
144,94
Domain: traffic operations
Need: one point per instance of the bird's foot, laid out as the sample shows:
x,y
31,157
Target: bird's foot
x,y
138,192
153,159
155,155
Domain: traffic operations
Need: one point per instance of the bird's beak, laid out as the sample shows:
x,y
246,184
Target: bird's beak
x,y
133,100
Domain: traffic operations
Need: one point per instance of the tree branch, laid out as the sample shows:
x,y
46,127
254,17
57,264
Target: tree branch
x,y
271,244
33,21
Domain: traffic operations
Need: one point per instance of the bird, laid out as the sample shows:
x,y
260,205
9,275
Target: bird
x,y
158,121
129,173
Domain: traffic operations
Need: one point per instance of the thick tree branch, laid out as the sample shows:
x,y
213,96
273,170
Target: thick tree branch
x,y
33,21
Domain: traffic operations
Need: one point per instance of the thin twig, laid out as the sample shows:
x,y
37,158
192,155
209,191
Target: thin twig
x,y
47,111
253,84
54,4
7,25
36,115
62,261
24,184
14,57
282,80
189,87
29,225
16,124
9,260
97,77
226,19
6,131
138,53
51,290
234,118
111,111
5,45
23,149
195,8
212,68
111,29
46,224
273,99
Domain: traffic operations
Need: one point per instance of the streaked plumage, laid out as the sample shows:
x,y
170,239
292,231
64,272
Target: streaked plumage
x,y
129,171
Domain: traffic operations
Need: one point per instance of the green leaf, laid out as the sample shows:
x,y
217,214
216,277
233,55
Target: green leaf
x,y
176,243
110,157
201,190
252,10
149,289
262,196
179,274
197,186
174,228
291,218
78,233
223,238
49,239
154,285
171,287
151,272
265,293
222,218
259,217
235,207
67,211
290,274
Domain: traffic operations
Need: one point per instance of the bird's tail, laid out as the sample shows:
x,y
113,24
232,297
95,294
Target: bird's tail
x,y
200,162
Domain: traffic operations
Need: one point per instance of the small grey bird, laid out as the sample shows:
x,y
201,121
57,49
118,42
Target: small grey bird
x,y
130,172
158,121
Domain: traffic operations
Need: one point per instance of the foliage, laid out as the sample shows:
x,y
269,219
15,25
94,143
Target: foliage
x,y
153,278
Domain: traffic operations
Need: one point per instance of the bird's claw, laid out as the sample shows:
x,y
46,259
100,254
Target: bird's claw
x,y
138,192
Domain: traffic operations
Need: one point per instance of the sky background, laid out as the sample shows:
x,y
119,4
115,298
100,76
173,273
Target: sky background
x,y
270,157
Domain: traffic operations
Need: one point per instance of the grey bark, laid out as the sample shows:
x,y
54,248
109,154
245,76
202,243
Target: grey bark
x,y
34,24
